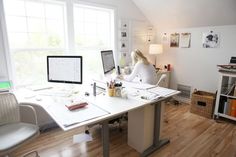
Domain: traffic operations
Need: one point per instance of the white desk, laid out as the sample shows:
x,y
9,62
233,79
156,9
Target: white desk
x,y
115,106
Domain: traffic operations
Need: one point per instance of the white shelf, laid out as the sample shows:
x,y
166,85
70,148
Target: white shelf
x,y
227,116
228,96
229,79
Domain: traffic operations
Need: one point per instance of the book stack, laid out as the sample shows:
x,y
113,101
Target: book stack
x,y
230,107
230,104
235,90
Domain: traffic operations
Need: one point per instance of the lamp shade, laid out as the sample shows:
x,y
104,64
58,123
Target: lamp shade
x,y
155,49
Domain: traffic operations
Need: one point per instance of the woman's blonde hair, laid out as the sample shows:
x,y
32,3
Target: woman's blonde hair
x,y
137,55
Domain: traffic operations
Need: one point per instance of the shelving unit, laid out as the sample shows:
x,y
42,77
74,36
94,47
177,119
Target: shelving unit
x,y
226,96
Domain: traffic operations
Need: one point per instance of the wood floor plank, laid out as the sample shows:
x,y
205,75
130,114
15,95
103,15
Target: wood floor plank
x,y
190,135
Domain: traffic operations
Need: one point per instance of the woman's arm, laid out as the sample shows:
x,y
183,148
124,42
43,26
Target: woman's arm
x,y
134,72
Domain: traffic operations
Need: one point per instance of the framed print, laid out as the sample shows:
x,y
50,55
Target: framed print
x,y
124,46
174,40
164,38
124,24
210,40
185,39
123,35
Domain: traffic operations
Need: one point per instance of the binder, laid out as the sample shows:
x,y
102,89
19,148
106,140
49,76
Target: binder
x,y
233,108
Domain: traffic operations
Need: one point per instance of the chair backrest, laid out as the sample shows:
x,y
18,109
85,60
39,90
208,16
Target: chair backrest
x,y
162,79
9,109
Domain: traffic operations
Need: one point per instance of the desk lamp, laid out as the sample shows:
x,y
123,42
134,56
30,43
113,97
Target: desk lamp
x,y
155,49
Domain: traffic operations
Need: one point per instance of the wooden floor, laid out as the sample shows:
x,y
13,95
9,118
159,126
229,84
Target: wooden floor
x,y
190,136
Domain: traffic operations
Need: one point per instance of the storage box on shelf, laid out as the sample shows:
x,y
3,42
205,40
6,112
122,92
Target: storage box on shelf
x,y
226,97
202,103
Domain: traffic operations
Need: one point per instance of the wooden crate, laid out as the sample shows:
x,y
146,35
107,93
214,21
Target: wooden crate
x,y
202,103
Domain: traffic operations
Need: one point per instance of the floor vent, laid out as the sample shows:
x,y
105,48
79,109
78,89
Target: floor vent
x,y
185,94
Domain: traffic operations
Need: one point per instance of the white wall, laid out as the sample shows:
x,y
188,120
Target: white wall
x,y
196,66
3,63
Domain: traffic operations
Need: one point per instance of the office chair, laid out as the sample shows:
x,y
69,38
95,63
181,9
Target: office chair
x,y
13,131
161,80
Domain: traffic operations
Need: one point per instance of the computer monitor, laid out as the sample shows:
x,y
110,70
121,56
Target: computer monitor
x,y
107,61
64,69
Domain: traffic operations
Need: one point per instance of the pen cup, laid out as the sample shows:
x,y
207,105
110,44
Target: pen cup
x,y
117,91
110,91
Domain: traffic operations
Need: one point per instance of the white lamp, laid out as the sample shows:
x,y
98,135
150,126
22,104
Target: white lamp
x,y
155,49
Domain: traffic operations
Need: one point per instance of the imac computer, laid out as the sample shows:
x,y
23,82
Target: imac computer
x,y
64,69
108,61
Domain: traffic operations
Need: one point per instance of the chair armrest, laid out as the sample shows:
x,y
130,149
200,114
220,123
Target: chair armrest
x,y
28,114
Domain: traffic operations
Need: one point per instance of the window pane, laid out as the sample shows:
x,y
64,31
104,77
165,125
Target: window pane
x,y
35,9
18,40
55,35
31,67
44,23
37,40
20,21
55,26
103,17
79,28
54,11
79,14
90,15
17,9
93,27
92,34
36,25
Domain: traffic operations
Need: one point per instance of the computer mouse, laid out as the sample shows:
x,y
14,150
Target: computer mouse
x,y
38,98
86,93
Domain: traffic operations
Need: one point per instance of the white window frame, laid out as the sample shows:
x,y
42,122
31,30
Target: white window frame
x,y
69,32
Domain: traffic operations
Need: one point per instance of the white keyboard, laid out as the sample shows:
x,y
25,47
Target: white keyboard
x,y
56,93
39,87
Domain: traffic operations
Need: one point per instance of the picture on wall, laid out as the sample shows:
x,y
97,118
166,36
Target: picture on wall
x,y
174,40
164,38
123,46
123,35
185,39
124,24
210,40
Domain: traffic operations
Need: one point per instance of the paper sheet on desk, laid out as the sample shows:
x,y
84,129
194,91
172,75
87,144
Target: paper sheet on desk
x,y
162,91
141,86
82,138
142,95
68,118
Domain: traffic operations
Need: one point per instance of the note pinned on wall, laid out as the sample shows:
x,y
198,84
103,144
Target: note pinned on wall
x,y
185,39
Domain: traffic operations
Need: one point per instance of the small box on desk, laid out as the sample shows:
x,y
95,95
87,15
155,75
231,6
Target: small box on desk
x,y
202,103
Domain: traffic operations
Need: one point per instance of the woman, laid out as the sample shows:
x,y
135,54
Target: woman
x,y
142,69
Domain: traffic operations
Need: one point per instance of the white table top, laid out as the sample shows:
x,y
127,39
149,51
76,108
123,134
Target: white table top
x,y
113,105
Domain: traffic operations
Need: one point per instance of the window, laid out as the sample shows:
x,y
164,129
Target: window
x,y
39,28
93,27
35,29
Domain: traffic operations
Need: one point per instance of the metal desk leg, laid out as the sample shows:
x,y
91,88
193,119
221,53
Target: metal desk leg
x,y
105,138
157,143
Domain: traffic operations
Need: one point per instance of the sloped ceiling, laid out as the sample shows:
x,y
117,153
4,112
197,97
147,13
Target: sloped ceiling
x,y
165,14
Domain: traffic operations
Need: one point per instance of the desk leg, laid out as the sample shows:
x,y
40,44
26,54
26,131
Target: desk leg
x,y
157,143
105,138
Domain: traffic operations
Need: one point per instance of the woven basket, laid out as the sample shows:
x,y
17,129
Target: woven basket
x,y
202,103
